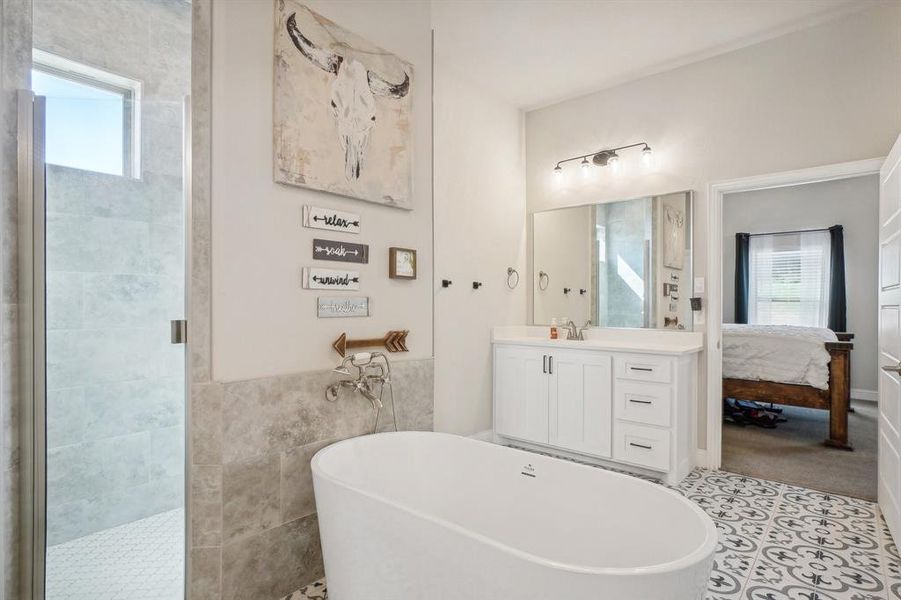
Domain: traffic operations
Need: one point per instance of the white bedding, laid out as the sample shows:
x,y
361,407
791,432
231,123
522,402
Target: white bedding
x,y
780,353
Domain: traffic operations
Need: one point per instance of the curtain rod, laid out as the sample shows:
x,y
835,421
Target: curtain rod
x,y
791,232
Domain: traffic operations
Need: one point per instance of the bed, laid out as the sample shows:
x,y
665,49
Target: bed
x,y
798,366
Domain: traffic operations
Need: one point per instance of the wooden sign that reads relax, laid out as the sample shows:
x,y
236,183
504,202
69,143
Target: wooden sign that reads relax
x,y
334,220
340,251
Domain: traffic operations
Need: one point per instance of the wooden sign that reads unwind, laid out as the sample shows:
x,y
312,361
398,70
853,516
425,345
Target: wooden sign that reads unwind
x,y
340,251
329,279
333,220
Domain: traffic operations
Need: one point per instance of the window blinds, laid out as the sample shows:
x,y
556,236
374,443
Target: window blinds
x,y
789,279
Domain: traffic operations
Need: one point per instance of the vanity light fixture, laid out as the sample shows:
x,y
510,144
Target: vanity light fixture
x,y
603,158
613,161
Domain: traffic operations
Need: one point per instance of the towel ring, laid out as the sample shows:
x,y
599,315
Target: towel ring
x,y
546,278
512,277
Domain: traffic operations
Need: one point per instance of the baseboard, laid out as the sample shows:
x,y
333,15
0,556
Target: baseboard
x,y
701,458
485,436
866,395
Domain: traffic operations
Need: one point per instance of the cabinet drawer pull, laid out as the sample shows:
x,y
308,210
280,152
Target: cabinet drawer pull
x,y
550,365
544,364
640,401
647,369
640,446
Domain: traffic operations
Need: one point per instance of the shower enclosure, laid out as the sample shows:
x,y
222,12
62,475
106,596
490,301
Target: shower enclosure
x,y
102,230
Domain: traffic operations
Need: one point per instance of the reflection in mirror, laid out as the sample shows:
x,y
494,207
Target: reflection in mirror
x,y
619,264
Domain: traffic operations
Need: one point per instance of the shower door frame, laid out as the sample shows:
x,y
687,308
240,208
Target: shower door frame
x,y
32,338
32,331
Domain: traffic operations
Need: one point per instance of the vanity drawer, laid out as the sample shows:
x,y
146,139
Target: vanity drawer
x,y
640,402
641,445
644,367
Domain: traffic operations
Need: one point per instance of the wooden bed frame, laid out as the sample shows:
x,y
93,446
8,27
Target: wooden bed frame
x,y
837,399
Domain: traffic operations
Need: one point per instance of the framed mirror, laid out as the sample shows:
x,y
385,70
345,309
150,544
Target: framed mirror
x,y
620,264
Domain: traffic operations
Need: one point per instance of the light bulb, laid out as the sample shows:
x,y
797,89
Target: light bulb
x,y
585,164
613,161
558,170
647,157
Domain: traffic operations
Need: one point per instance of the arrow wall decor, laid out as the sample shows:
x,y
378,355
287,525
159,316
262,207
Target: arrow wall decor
x,y
329,279
394,341
333,220
340,251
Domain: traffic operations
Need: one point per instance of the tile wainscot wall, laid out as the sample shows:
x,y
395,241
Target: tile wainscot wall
x,y
253,511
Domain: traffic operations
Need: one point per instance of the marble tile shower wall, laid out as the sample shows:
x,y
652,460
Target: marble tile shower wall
x,y
254,532
15,53
115,277
115,385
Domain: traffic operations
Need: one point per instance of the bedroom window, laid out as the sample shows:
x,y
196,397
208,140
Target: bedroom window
x,y
788,279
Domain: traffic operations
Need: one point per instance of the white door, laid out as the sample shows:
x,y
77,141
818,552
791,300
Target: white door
x,y
890,340
581,393
521,393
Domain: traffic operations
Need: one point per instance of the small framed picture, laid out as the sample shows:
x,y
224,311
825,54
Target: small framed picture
x,y
401,263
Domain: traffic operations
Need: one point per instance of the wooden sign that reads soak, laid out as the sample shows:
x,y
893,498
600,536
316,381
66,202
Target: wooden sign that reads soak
x,y
340,251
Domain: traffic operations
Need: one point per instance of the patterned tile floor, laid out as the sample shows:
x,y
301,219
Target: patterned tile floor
x,y
141,560
781,542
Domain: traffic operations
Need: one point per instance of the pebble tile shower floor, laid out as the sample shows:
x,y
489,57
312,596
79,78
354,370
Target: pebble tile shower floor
x,y
781,542
141,560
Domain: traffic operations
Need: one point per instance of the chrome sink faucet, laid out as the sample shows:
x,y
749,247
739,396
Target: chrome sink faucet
x,y
575,333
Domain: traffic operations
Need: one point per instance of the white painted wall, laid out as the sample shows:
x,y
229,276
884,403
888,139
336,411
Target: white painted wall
x,y
263,322
852,203
562,245
823,95
480,209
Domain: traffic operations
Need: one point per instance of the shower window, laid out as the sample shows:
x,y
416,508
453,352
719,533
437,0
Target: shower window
x,y
93,116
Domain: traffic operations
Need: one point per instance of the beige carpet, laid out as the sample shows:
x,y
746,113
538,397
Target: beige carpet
x,y
794,452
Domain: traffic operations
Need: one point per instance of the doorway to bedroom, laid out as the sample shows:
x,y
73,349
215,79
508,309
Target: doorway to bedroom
x,y
799,334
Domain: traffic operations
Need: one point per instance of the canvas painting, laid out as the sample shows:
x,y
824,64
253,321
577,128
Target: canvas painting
x,y
342,110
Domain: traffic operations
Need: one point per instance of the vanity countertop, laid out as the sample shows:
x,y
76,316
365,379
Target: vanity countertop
x,y
653,341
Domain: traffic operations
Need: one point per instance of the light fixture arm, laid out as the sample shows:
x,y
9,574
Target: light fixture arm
x,y
607,151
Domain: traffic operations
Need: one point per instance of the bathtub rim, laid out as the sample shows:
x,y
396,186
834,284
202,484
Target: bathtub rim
x,y
703,552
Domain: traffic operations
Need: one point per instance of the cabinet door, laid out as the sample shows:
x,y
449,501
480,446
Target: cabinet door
x,y
521,393
581,408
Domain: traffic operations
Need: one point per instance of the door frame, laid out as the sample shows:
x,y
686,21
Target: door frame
x,y
715,193
32,370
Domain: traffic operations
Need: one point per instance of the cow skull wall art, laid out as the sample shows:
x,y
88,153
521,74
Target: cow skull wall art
x,y
365,94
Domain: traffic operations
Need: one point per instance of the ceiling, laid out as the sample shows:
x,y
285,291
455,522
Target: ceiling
x,y
532,53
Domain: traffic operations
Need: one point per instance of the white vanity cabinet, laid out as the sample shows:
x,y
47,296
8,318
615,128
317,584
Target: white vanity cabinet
x,y
580,401
560,398
521,401
605,402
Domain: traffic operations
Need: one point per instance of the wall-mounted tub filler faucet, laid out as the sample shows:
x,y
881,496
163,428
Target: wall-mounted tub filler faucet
x,y
373,375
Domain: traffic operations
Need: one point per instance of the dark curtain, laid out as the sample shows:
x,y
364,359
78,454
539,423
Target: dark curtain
x,y
741,277
838,304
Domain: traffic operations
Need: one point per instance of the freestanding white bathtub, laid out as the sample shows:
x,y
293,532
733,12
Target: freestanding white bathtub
x,y
431,516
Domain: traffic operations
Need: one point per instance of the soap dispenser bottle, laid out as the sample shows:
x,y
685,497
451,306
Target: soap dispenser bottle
x,y
554,328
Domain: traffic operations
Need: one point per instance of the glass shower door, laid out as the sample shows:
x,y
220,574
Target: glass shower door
x,y
102,252
113,405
